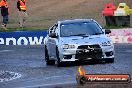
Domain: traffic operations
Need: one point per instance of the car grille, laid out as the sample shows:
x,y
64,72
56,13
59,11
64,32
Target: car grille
x,y
88,51
88,46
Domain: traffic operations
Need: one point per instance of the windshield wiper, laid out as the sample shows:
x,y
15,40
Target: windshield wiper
x,y
80,35
97,33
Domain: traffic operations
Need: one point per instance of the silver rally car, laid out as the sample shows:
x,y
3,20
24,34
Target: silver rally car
x,y
77,40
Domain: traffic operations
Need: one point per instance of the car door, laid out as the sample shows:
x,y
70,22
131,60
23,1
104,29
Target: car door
x,y
52,42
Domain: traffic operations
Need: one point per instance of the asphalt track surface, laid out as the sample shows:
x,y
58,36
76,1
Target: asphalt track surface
x,y
29,62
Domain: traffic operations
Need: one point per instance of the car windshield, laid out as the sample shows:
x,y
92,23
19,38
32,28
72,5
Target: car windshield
x,y
80,29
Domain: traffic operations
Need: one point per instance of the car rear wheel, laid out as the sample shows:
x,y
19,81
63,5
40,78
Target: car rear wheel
x,y
48,61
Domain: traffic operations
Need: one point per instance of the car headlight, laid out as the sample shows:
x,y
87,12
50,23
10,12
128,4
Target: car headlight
x,y
108,43
67,46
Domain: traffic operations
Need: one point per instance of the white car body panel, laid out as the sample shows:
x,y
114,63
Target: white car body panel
x,y
52,43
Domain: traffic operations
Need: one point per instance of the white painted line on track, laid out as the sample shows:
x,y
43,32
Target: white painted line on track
x,y
129,51
44,85
2,51
57,76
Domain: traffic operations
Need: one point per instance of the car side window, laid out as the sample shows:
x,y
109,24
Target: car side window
x,y
53,29
50,30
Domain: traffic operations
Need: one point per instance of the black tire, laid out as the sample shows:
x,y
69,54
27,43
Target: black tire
x,y
58,58
81,80
48,62
109,60
110,21
127,21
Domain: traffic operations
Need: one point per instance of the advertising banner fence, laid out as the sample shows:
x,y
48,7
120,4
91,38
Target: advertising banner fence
x,y
22,38
121,35
37,37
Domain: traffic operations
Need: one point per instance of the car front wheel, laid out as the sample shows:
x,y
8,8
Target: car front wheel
x,y
48,61
58,58
109,60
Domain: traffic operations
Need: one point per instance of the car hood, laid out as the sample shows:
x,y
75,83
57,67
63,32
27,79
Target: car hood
x,y
94,39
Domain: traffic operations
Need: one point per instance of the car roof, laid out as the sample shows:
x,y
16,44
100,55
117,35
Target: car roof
x,y
74,21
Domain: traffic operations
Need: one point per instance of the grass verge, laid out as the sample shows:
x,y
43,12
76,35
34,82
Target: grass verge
x,y
45,28
23,29
116,27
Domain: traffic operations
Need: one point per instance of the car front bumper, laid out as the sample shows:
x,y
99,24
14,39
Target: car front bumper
x,y
86,54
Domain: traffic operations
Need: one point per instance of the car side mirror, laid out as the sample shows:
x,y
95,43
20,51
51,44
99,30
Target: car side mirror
x,y
107,31
53,35
47,31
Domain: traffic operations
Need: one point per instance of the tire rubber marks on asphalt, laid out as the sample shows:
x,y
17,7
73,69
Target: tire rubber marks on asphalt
x,y
7,76
128,51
